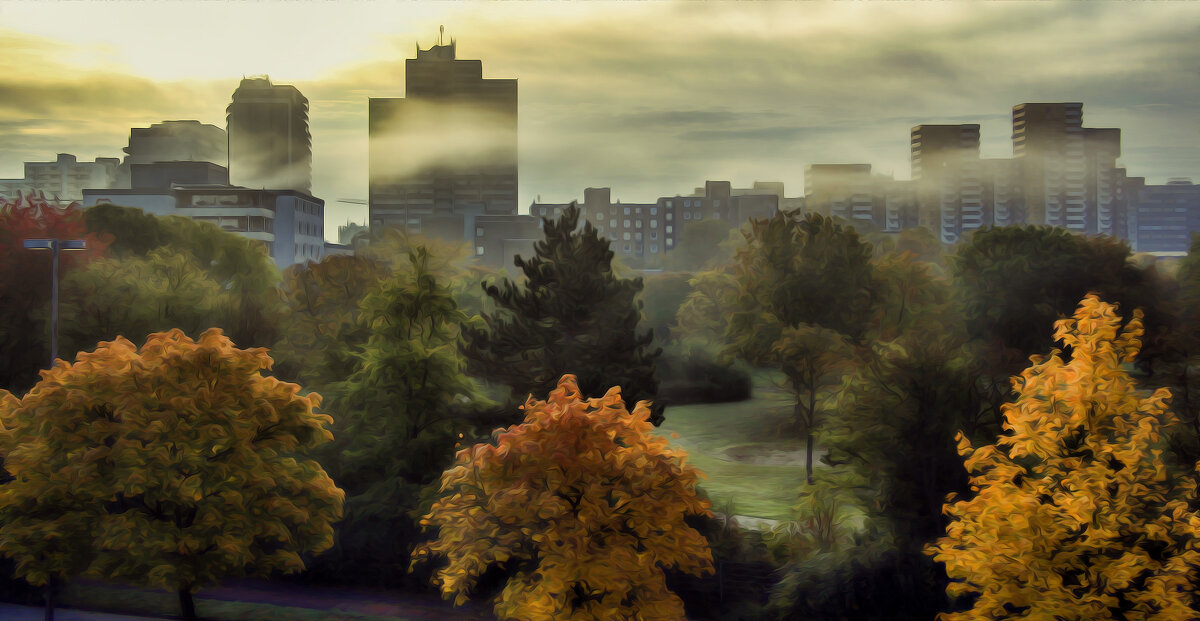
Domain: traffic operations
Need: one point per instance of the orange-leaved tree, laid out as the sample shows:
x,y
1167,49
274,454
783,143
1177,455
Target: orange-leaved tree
x,y
581,506
173,466
1076,514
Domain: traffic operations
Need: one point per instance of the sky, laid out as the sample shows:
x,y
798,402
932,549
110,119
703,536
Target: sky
x,y
648,98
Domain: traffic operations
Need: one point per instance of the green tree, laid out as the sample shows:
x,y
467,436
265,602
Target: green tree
x,y
403,408
174,466
1074,514
239,265
321,323
135,296
581,504
701,245
571,314
805,294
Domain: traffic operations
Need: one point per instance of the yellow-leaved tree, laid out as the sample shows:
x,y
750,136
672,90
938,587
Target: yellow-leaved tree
x,y
580,505
1075,514
172,466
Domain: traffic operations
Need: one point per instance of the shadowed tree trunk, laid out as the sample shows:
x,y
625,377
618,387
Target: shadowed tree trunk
x,y
49,598
187,607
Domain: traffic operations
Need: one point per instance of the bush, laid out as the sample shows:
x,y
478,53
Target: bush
x,y
700,378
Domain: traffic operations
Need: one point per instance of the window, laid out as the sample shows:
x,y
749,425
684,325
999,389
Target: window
x,y
670,229
612,224
697,216
654,211
638,236
687,203
653,234
687,215
627,223
599,216
670,215
670,242
478,251
670,204
627,213
654,224
653,248
599,230
637,212
626,249
626,237
542,211
716,215
639,224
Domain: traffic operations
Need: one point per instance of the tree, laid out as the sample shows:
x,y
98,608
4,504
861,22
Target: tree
x,y
701,245
1013,281
320,323
1074,514
805,289
135,296
239,265
25,282
173,466
403,408
570,315
580,504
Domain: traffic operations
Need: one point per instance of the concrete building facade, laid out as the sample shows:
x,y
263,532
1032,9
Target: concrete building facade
x,y
63,179
269,144
174,141
445,151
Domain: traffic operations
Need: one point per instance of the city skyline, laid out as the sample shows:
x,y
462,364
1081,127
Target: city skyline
x,y
647,98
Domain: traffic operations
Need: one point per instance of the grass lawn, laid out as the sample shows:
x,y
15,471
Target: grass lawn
x,y
131,601
738,446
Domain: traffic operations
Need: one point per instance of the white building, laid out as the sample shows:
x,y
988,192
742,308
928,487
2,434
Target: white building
x,y
63,179
291,224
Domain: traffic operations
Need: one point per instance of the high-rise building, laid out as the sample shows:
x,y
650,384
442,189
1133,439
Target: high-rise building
x,y
269,143
1163,216
446,151
845,191
950,179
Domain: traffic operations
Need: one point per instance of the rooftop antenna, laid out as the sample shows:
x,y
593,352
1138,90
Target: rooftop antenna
x,y
441,31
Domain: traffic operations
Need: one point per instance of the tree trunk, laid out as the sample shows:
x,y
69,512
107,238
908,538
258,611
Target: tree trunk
x,y
187,607
808,457
49,598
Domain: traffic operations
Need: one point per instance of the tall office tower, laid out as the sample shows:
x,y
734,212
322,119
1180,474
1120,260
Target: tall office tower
x,y
173,141
950,180
269,143
1048,144
844,191
1103,181
446,151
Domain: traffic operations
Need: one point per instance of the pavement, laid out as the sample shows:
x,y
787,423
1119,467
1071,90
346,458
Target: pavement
x,y
13,612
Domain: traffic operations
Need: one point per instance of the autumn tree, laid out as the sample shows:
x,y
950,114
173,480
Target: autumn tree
x,y
1074,514
25,282
401,410
805,287
581,505
571,314
174,465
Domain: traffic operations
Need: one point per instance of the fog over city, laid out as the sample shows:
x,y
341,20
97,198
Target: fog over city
x,y
650,99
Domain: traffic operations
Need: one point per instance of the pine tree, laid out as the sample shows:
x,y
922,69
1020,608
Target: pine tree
x,y
571,315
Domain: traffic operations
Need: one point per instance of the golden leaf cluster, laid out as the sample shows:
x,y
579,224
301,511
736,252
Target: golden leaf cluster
x,y
174,465
1074,514
581,503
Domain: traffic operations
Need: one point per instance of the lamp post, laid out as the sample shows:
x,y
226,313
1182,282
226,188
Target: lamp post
x,y
54,245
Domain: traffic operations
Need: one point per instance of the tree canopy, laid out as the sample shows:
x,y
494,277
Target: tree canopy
x,y
1074,514
570,314
174,465
583,507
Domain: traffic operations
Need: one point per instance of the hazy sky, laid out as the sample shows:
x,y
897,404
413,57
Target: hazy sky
x,y
648,98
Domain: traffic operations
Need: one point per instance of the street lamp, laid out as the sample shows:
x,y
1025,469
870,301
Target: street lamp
x,y
54,245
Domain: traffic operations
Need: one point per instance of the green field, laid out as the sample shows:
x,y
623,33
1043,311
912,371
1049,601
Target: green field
x,y
737,445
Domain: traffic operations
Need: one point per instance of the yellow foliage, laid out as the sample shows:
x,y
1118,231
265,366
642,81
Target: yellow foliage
x,y
1074,516
582,502
172,466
